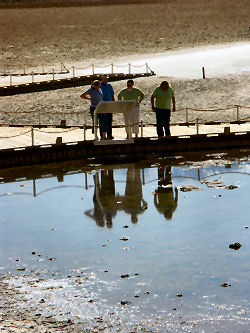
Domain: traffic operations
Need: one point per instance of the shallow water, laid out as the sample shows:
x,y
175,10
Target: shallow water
x,y
166,224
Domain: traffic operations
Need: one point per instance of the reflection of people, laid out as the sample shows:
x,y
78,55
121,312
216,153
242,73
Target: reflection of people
x,y
108,95
132,120
95,95
165,197
161,105
104,199
133,202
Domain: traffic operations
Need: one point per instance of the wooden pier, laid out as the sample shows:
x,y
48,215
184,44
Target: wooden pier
x,y
120,149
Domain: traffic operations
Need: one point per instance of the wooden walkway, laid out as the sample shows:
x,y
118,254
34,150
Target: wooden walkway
x,y
15,137
63,83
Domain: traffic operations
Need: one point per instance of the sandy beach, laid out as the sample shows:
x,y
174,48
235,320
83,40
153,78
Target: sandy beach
x,y
86,34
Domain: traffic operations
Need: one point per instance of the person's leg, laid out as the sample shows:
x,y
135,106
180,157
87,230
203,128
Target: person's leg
x,y
126,116
159,122
135,121
92,109
166,122
102,125
109,125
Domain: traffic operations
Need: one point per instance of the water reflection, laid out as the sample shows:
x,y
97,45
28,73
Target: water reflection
x,y
165,197
107,202
104,199
132,202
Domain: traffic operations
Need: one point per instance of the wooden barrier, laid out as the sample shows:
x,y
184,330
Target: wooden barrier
x,y
117,151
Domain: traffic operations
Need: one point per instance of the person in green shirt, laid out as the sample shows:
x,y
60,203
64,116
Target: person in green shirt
x,y
161,104
132,119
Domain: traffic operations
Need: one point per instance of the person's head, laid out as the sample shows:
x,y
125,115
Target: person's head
x,y
96,84
130,84
164,85
105,78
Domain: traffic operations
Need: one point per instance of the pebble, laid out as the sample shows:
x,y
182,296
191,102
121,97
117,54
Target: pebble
x,y
225,284
124,276
235,246
125,302
179,295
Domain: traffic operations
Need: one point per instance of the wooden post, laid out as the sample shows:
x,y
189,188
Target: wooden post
x,y
93,69
53,74
142,128
73,71
237,113
146,67
112,68
203,73
10,79
43,69
4,69
32,136
86,180
39,118
187,115
197,125
32,77
34,187
129,68
24,70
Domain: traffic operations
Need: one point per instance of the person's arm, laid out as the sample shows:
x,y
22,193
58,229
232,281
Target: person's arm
x,y
153,102
141,96
86,95
173,101
112,94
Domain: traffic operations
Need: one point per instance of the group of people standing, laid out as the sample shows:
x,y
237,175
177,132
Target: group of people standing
x,y
161,100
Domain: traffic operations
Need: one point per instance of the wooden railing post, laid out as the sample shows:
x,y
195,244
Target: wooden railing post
x,y
142,128
237,112
93,69
112,68
197,125
73,71
32,136
129,68
187,115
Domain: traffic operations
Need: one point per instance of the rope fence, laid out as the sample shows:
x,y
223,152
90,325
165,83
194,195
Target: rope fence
x,y
197,121
72,72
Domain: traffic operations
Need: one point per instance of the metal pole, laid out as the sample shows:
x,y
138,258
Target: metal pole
x,y
142,128
85,126
32,76
53,74
186,115
43,69
129,68
93,69
10,79
4,69
39,118
32,136
112,68
197,125
34,187
84,132
147,67
24,70
73,71
238,113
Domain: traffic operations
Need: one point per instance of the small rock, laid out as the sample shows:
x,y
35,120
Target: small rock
x,y
235,246
179,295
125,226
146,293
21,269
125,302
246,227
52,259
137,274
124,276
124,238
33,253
225,284
136,296
42,301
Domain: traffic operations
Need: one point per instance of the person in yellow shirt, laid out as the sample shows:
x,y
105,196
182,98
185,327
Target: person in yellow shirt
x,y
161,104
128,94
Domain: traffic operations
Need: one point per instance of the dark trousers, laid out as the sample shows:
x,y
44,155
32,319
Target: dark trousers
x,y
109,118
162,121
101,120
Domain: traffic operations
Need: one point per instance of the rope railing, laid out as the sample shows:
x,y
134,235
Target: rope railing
x,y
70,71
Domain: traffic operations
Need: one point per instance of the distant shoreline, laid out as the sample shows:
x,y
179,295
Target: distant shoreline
x,y
8,4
